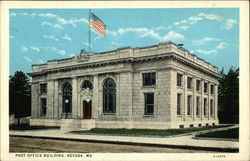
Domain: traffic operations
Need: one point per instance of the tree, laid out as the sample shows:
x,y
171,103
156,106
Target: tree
x,y
228,96
19,95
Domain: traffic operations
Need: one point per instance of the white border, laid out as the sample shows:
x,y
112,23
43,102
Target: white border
x,y
244,73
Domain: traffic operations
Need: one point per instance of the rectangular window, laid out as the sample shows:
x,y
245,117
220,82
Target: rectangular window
x,y
148,79
43,106
205,87
212,89
205,106
189,83
149,103
198,85
43,88
211,107
179,80
189,105
178,104
197,106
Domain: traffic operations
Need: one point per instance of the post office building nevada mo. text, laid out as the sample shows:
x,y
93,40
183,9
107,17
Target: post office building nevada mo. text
x,y
155,87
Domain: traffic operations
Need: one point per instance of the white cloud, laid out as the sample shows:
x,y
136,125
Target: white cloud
x,y
26,58
183,27
12,14
142,32
57,26
49,15
35,48
50,37
24,49
145,32
230,23
204,51
204,40
24,14
210,16
63,21
180,22
173,36
53,49
222,45
71,55
66,37
12,37
195,19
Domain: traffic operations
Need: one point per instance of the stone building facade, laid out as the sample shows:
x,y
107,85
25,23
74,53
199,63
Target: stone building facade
x,y
155,87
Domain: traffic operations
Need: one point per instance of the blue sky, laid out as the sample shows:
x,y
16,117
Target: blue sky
x,y
39,35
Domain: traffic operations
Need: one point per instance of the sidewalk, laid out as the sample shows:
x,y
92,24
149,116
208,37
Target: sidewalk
x,y
181,141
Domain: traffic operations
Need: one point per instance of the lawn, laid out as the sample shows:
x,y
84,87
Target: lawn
x,y
228,134
147,132
28,127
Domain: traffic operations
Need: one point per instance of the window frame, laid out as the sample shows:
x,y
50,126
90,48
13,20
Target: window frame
x,y
189,105
205,87
43,88
152,79
198,89
178,99
211,107
43,107
86,83
179,78
147,104
189,82
109,92
211,89
198,105
205,107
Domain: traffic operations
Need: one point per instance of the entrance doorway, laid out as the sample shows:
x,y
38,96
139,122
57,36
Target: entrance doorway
x,y
87,110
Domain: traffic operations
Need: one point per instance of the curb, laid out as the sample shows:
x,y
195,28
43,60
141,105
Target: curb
x,y
215,149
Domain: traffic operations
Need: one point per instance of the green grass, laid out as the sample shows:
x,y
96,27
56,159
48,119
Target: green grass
x,y
228,134
149,132
28,127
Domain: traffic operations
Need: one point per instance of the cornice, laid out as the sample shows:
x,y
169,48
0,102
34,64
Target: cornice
x,y
163,56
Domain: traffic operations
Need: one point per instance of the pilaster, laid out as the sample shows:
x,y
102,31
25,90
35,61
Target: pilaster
x,y
95,97
74,97
50,99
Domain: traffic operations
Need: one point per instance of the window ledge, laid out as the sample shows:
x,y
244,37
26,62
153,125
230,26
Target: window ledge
x,y
108,113
189,89
145,116
180,87
153,86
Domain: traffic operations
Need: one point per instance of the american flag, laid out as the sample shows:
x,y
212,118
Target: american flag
x,y
97,24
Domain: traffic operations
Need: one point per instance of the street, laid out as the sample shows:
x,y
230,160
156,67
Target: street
x,y
35,145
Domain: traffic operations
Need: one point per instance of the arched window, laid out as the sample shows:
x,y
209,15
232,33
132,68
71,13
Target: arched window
x,y
67,98
87,84
109,96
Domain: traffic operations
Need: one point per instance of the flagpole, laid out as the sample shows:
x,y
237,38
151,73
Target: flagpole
x,y
89,31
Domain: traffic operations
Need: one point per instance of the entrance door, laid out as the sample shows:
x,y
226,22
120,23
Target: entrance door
x,y
87,109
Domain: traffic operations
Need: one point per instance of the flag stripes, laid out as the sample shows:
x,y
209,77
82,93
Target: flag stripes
x,y
97,24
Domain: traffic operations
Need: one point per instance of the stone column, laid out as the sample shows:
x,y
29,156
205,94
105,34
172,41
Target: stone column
x,y
95,97
74,97
208,101
56,99
35,108
202,99
50,98
184,96
215,102
194,99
